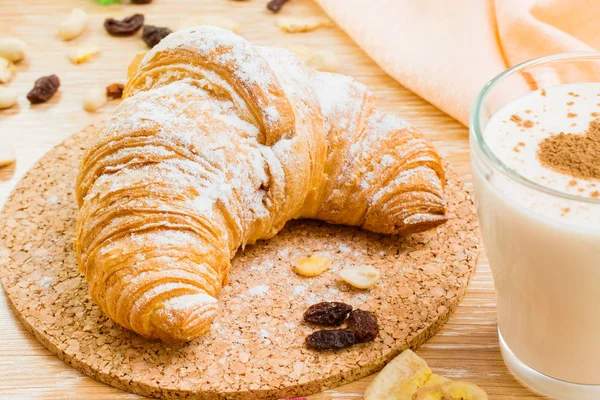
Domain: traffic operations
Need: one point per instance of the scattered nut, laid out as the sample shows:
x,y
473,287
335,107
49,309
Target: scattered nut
x,y
44,89
115,91
275,5
8,97
312,266
324,60
12,49
362,277
7,154
214,20
74,25
82,54
135,63
295,24
94,99
152,35
125,27
301,51
7,70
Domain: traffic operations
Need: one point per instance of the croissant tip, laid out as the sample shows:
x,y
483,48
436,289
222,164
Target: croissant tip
x,y
184,318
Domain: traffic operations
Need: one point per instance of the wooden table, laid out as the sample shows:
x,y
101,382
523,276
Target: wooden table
x,y
466,347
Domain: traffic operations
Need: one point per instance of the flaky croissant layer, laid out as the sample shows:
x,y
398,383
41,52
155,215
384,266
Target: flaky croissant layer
x,y
218,144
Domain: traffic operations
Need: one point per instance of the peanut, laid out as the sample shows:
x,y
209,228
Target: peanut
x,y
12,49
7,70
8,97
94,99
74,25
82,54
298,23
7,154
301,51
312,266
362,277
324,60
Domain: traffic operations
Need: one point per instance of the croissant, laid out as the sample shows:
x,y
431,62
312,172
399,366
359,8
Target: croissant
x,y
218,144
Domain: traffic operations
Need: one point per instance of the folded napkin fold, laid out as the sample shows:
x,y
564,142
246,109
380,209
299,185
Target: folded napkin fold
x,y
446,50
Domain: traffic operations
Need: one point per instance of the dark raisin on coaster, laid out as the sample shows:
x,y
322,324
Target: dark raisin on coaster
x,y
275,5
115,90
152,35
44,89
327,313
364,325
125,27
141,1
331,339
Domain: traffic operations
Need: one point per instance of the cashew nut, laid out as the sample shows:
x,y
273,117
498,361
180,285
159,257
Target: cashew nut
x,y
74,25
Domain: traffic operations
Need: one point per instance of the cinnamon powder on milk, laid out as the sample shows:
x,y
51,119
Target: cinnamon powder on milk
x,y
573,154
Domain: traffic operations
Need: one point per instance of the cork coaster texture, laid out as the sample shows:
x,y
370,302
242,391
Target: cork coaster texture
x,y
255,349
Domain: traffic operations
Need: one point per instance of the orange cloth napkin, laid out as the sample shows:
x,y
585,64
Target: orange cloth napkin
x,y
446,50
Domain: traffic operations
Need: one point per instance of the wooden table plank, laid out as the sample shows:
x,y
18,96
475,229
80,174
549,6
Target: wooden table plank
x,y
466,347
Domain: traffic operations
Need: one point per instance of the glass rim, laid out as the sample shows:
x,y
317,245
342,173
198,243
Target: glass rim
x,y
477,134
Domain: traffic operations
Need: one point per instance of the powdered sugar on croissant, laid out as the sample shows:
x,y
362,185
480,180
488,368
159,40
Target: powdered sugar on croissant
x,y
218,144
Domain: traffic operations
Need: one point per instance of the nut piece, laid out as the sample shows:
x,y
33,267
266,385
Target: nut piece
x,y
12,49
312,266
79,55
214,20
125,27
295,23
453,390
74,25
362,277
327,313
7,154
399,379
8,97
135,63
44,89
7,70
94,99
152,35
324,60
115,91
301,51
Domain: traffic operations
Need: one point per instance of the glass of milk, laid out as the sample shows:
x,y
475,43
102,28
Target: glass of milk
x,y
540,223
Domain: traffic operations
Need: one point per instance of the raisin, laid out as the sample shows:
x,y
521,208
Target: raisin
x,y
364,325
152,35
115,91
141,1
125,27
275,5
44,89
332,339
327,313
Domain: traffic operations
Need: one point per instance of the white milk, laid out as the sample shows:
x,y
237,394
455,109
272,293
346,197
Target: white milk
x,y
544,250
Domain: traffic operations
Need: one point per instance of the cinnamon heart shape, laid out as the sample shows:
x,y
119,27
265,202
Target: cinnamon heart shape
x,y
577,155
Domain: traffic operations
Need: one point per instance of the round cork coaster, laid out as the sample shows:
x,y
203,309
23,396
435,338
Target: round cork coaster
x,y
256,348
